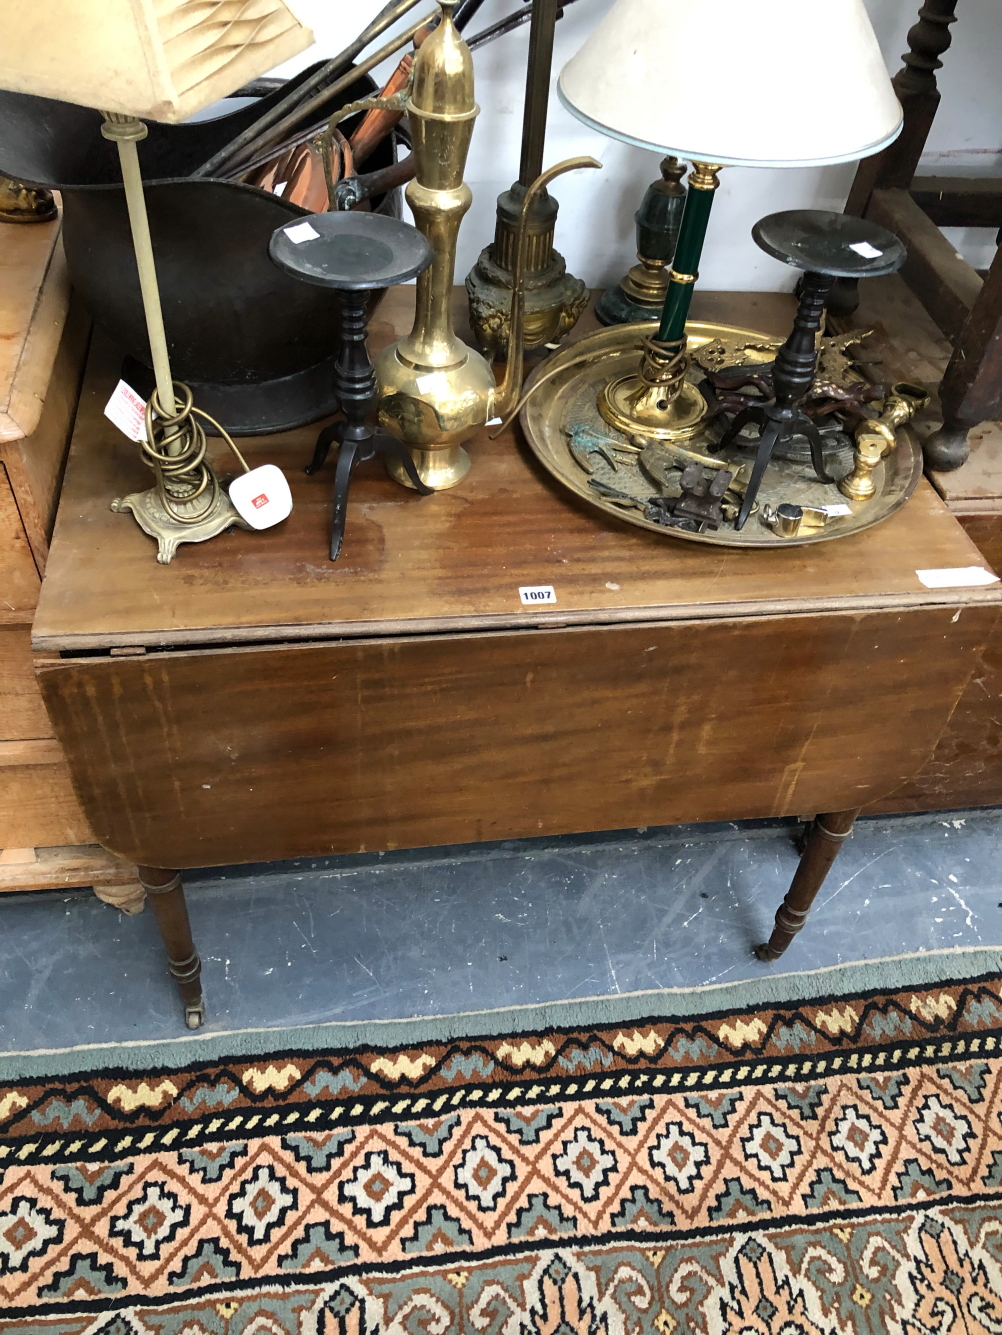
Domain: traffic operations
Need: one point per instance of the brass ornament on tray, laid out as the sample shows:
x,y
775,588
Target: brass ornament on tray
x,y
643,480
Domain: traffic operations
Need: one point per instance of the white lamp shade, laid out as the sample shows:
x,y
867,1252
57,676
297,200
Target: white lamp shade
x,y
160,59
777,83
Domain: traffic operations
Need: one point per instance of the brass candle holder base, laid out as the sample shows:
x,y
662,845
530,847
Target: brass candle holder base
x,y
656,400
151,516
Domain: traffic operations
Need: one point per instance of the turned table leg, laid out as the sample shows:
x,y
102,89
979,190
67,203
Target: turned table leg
x,y
824,839
166,896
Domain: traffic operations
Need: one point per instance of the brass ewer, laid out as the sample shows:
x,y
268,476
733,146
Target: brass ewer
x,y
434,391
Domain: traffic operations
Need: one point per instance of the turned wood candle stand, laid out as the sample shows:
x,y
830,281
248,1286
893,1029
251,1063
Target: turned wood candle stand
x,y
355,254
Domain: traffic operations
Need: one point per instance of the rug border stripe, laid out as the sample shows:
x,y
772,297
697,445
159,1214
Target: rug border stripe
x,y
893,973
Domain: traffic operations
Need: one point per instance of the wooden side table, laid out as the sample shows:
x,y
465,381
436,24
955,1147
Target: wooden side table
x,y
254,701
45,840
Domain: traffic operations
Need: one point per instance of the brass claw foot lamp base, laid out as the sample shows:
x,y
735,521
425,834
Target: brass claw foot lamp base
x,y
826,246
354,253
187,504
168,529
20,203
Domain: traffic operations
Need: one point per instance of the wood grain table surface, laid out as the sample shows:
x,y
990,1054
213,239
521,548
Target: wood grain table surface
x,y
453,561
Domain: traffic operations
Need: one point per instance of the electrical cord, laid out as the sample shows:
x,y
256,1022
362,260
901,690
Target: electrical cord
x,y
175,448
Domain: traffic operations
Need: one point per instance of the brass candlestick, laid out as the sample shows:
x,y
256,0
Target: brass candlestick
x,y
434,391
554,299
875,438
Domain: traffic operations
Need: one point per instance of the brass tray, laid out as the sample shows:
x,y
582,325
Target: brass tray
x,y
569,383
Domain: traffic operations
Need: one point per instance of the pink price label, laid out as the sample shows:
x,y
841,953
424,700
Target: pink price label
x,y
126,410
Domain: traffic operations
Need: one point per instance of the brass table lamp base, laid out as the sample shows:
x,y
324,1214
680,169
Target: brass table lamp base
x,y
153,519
655,401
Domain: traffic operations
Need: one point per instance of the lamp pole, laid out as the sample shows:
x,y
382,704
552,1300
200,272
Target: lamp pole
x,y
684,270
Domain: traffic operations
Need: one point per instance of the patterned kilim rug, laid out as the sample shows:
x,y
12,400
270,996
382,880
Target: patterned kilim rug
x,y
809,1154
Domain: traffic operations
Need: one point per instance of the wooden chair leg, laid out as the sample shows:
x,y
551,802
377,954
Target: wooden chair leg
x,y
171,912
825,838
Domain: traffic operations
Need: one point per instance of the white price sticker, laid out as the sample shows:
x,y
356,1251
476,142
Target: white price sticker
x,y
867,251
534,594
301,232
127,411
960,577
835,511
434,381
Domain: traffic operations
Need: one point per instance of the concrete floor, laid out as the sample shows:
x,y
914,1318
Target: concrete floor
x,y
442,930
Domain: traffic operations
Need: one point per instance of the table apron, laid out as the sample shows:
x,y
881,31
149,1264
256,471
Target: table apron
x,y
200,758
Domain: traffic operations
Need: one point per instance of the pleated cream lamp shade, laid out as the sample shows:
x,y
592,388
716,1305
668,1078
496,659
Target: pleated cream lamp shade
x,y
159,59
774,83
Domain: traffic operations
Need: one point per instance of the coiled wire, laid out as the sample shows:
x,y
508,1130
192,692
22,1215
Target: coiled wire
x,y
175,449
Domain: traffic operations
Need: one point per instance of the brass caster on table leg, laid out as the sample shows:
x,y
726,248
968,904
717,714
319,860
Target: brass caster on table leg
x,y
194,1016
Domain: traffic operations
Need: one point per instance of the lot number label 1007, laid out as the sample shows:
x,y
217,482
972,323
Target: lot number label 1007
x,y
534,594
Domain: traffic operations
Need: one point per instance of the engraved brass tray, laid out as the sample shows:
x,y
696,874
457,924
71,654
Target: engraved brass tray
x,y
569,383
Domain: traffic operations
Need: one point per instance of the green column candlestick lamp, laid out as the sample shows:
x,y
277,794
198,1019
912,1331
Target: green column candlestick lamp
x,y
635,80
641,294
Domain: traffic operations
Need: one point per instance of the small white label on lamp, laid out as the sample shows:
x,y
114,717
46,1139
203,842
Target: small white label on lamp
x,y
279,189
867,251
495,421
534,594
127,411
960,577
835,511
262,496
301,232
